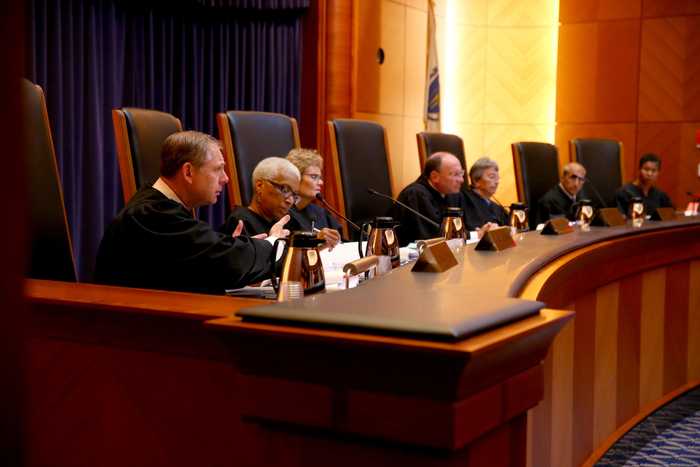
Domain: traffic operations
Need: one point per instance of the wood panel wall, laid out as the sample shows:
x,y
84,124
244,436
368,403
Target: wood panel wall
x,y
628,70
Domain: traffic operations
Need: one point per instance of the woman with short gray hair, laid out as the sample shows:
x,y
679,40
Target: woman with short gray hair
x,y
482,209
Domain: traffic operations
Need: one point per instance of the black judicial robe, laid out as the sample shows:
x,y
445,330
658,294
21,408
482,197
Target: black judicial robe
x,y
422,197
155,243
655,199
254,223
554,203
315,214
478,211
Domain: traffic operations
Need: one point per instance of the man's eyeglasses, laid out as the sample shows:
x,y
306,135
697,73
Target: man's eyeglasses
x,y
314,177
576,178
284,190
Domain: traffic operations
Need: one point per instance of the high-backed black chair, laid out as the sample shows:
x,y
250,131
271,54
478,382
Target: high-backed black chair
x,y
430,143
536,171
361,160
51,247
248,138
139,135
602,159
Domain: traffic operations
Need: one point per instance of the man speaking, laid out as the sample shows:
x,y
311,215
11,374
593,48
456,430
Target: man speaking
x,y
155,242
436,189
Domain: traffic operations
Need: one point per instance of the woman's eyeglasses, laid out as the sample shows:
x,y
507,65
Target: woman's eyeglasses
x,y
314,177
284,190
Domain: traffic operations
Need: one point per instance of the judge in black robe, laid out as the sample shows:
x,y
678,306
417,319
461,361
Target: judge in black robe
x,y
644,187
560,200
481,208
431,194
155,242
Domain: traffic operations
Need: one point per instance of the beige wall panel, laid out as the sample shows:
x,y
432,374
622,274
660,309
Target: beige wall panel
x,y
625,132
463,77
421,5
464,12
694,322
520,76
416,45
380,88
651,345
563,398
410,167
393,125
497,141
662,73
473,137
605,389
520,13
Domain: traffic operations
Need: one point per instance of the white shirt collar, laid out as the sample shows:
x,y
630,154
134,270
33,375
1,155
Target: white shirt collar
x,y
163,187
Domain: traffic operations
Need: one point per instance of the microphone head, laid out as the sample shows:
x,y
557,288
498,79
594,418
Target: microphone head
x,y
319,196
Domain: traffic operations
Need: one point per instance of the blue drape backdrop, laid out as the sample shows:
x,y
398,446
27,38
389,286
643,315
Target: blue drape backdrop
x,y
193,60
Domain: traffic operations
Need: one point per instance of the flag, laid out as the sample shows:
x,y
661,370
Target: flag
x,y
431,111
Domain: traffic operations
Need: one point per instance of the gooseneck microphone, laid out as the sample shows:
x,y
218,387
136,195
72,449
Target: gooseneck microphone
x,y
396,201
319,197
595,191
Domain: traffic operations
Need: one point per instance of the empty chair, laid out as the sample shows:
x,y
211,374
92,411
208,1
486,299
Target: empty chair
x,y
602,159
536,172
139,135
248,138
430,143
361,160
50,240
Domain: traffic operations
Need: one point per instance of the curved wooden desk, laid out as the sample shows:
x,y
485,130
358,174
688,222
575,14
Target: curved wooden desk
x,y
132,377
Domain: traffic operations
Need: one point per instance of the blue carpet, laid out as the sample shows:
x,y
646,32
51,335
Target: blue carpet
x,y
669,436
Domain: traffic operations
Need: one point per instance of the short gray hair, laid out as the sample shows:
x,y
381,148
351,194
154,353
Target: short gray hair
x,y
479,167
272,168
568,168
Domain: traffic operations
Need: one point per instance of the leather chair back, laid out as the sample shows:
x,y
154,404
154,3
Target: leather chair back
x,y
602,159
536,172
361,160
248,138
51,247
139,135
430,143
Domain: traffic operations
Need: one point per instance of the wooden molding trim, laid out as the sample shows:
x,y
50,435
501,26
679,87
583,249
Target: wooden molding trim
x,y
520,188
422,150
126,165
637,419
234,191
47,125
338,185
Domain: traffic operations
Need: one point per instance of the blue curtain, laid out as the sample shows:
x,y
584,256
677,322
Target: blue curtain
x,y
192,60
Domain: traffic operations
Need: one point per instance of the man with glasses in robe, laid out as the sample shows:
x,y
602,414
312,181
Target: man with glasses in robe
x,y
559,201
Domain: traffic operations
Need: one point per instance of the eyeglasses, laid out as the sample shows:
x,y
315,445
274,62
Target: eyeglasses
x,y
314,177
459,173
284,190
576,178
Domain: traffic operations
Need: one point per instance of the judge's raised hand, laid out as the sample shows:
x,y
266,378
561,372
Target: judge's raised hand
x,y
485,228
278,229
331,236
238,230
